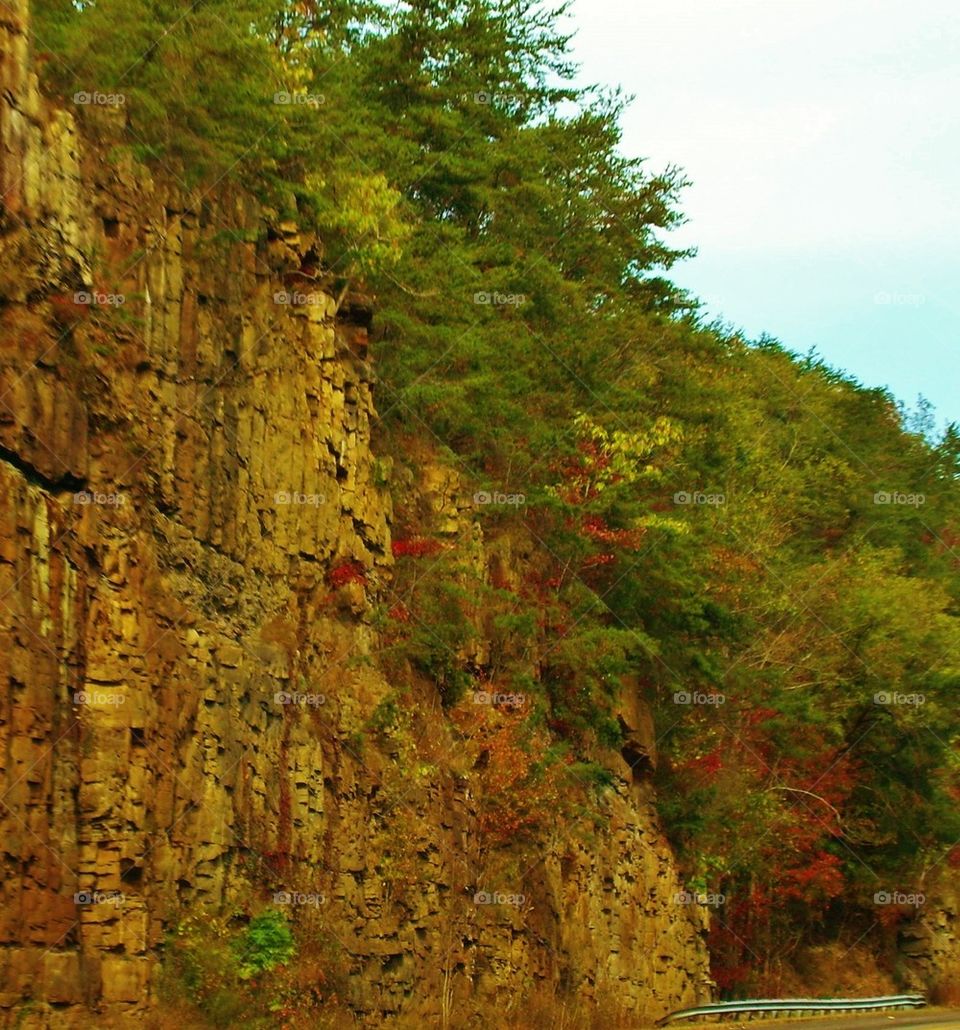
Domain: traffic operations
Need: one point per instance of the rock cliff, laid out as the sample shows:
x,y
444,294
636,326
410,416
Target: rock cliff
x,y
186,461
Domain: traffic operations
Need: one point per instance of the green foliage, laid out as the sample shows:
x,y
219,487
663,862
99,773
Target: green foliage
x,y
437,628
257,115
385,716
266,943
220,970
146,53
596,776
212,965
528,329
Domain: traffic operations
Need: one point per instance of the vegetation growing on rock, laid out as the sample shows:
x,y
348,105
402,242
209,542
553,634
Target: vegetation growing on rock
x,y
758,546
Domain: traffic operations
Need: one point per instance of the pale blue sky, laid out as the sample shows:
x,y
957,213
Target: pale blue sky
x,y
823,141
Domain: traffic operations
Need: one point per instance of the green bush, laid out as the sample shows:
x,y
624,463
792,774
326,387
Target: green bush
x,y
266,943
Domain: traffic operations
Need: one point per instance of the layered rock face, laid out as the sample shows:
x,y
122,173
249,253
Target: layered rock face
x,y
185,465
929,945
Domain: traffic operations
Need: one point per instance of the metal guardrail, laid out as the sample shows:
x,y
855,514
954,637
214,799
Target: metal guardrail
x,y
798,1006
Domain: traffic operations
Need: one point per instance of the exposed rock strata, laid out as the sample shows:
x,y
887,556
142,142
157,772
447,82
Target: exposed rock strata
x,y
178,475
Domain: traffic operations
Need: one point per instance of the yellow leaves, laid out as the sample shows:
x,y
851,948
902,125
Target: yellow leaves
x,y
627,452
364,211
297,76
618,457
665,522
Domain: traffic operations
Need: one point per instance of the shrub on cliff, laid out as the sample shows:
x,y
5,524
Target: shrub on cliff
x,y
229,974
267,942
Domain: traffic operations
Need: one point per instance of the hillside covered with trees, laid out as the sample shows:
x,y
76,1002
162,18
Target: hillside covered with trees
x,y
759,548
